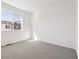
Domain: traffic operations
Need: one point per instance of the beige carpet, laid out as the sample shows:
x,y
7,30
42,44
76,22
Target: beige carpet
x,y
36,50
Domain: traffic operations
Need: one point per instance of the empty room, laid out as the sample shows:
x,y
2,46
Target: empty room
x,y
39,29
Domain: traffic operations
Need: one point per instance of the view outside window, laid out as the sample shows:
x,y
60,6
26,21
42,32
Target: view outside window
x,y
11,20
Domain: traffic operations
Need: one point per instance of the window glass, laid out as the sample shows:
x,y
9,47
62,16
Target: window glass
x,y
11,20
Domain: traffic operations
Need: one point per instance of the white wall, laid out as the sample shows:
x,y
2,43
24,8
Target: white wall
x,y
56,23
76,26
8,37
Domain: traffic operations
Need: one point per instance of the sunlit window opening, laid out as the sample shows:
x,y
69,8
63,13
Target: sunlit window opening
x,y
11,21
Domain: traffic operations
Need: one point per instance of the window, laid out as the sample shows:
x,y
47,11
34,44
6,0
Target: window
x,y
10,20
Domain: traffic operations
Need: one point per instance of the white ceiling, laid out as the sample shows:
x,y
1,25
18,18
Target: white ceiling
x,y
29,5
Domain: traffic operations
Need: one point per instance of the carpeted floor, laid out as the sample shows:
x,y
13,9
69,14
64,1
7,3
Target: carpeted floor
x,y
36,50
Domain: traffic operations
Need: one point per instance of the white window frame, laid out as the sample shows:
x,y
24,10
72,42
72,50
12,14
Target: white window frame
x,y
14,21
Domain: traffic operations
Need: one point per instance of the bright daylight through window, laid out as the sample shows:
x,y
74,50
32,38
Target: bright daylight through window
x,y
11,21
